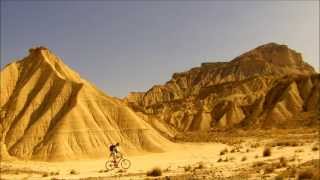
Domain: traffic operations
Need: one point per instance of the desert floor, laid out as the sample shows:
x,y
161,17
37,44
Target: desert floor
x,y
291,154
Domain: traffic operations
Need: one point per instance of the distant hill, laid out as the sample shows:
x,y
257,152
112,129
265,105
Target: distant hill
x,y
48,112
269,86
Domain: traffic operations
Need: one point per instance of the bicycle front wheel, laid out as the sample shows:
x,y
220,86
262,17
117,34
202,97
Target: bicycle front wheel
x,y
110,165
125,163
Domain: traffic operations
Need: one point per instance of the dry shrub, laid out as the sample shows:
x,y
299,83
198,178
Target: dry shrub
x,y
283,162
266,152
292,159
45,174
259,164
315,148
155,172
187,168
268,169
244,158
73,171
225,160
292,171
276,165
256,156
305,174
255,145
287,142
121,171
236,148
224,151
279,177
298,150
54,173
201,165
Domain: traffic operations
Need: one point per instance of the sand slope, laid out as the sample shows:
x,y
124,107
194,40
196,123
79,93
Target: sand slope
x,y
49,113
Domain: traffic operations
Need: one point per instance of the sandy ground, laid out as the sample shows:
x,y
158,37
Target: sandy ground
x,y
172,162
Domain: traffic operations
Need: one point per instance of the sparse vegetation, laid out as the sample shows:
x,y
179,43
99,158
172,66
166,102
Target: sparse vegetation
x,y
121,170
236,148
54,173
286,143
155,172
244,158
73,172
298,150
187,168
305,174
292,171
254,145
201,165
315,148
292,159
279,177
224,151
45,174
259,164
266,152
268,169
167,169
283,161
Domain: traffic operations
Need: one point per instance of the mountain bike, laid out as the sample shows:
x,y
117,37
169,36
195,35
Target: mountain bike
x,y
117,162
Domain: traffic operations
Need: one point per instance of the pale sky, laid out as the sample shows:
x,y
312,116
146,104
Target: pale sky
x,y
132,45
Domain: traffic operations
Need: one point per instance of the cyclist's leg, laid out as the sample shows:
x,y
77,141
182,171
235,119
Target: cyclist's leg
x,y
114,157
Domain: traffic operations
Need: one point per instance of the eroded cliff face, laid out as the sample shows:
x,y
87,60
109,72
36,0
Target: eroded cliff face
x,y
48,112
265,87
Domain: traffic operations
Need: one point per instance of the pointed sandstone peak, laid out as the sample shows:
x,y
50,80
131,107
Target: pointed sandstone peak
x,y
42,56
40,53
49,113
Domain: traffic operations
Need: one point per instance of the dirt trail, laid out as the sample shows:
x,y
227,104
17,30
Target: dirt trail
x,y
182,155
172,162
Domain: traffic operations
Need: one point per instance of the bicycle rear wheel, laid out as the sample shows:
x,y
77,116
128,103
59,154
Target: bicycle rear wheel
x,y
110,165
125,163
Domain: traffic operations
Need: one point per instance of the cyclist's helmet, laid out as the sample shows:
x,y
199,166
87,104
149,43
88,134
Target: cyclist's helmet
x,y
117,144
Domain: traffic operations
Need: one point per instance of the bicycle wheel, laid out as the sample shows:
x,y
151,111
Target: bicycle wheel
x,y
110,165
125,163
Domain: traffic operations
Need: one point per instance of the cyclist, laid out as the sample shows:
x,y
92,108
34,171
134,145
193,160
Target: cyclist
x,y
114,150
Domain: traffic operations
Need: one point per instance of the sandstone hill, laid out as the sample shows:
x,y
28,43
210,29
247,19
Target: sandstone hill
x,y
269,86
48,112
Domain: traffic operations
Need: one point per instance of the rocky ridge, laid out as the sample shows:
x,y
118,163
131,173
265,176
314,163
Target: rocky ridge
x,y
269,86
